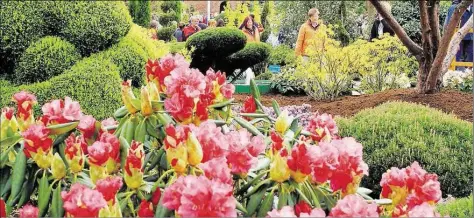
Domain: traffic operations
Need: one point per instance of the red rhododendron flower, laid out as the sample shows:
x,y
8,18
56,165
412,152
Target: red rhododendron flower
x,y
156,196
59,111
109,187
134,165
277,141
175,135
8,112
28,211
242,153
415,175
299,163
302,207
192,196
202,113
354,206
189,82
145,209
81,201
3,211
36,137
227,90
394,177
180,107
114,145
87,126
158,70
99,153
217,169
25,102
218,76
424,210
322,127
249,105
285,211
108,123
212,140
74,152
324,164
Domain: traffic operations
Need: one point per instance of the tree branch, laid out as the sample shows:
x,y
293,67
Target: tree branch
x,y
433,16
454,44
435,70
415,49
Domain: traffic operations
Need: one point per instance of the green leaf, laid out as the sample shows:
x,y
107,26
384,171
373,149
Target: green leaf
x,y
18,175
60,139
240,207
283,195
254,89
121,112
266,205
248,126
150,129
221,104
255,188
255,200
57,209
62,128
4,157
29,187
10,141
254,115
162,211
276,107
44,193
123,151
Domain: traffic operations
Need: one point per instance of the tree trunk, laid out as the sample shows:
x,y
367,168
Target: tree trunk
x,y
454,45
433,83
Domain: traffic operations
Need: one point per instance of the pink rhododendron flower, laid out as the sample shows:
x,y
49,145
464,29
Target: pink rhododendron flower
x,y
242,153
424,210
299,163
193,196
217,169
28,211
354,206
415,175
189,82
25,102
322,127
87,126
81,201
36,138
114,143
109,187
285,211
324,164
59,111
158,70
99,153
180,107
316,212
212,140
108,123
227,90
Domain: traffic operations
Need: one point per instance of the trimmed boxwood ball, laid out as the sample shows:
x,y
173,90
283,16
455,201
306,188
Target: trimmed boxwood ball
x,y
398,133
48,57
252,54
93,26
165,19
217,42
21,23
166,33
171,5
94,82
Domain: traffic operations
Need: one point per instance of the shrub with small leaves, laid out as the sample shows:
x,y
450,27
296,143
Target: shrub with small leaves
x,y
460,207
166,33
48,57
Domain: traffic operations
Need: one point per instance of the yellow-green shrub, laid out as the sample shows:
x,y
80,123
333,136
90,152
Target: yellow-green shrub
x,y
383,64
460,207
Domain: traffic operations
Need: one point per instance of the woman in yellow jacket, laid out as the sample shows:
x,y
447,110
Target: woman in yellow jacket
x,y
250,30
307,32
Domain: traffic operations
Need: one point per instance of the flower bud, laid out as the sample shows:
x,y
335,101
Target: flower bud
x,y
283,122
134,165
194,150
146,108
128,96
178,158
279,170
58,168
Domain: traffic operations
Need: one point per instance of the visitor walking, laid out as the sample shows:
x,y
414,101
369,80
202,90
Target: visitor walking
x,y
152,30
307,32
250,30
178,34
380,26
201,24
191,28
464,53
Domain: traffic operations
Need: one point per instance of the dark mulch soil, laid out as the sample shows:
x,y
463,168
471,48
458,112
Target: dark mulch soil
x,y
449,101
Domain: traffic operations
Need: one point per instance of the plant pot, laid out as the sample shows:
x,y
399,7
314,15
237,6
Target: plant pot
x,y
275,69
242,88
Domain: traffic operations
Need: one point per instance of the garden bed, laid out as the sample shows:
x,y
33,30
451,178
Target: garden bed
x,y
459,103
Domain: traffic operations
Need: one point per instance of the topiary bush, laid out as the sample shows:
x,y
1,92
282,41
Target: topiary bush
x,y
94,82
461,207
48,57
398,133
21,24
153,48
171,5
141,12
252,54
214,43
93,26
166,33
167,18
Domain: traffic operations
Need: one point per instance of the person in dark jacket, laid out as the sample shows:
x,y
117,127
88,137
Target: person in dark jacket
x,y
220,23
380,27
178,34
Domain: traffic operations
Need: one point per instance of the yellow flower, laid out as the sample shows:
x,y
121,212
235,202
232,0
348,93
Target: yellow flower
x,y
194,150
279,170
153,91
146,109
128,96
58,168
283,122
135,180
41,159
398,195
178,158
298,176
111,166
97,173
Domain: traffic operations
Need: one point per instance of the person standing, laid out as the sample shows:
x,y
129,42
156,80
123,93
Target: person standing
x,y
191,28
250,30
307,32
178,34
220,23
464,53
152,30
380,26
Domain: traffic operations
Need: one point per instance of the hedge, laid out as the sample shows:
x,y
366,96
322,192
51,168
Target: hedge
x,y
21,23
48,57
282,55
153,48
398,133
217,42
166,33
93,26
167,6
94,82
461,207
140,12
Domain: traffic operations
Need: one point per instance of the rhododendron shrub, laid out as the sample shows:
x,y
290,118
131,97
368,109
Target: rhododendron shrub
x,y
177,149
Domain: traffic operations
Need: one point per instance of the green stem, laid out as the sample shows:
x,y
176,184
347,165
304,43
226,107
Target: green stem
x,y
163,176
